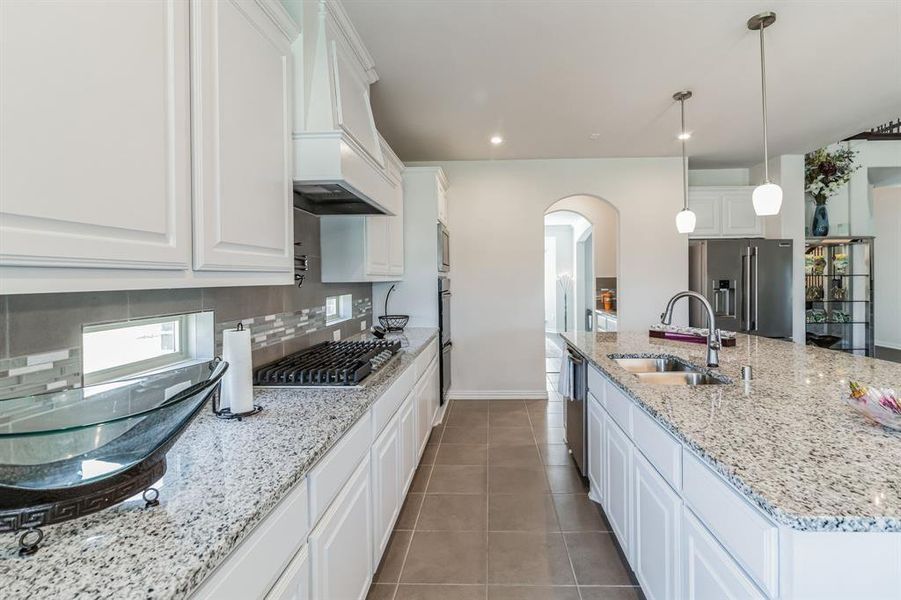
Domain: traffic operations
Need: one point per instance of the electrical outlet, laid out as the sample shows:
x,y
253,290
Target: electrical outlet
x,y
363,325
336,335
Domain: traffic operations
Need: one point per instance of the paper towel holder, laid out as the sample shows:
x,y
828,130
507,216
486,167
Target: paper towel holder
x,y
226,413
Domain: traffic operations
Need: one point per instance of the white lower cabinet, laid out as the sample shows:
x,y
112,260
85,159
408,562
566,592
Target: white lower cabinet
x,y
409,448
595,448
708,572
655,533
617,491
341,544
387,459
294,584
426,405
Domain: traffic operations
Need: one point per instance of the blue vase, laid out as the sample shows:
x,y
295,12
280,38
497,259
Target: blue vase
x,y
820,227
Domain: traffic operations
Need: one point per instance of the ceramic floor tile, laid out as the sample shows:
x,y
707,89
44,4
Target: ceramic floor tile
x,y
465,435
453,512
513,417
468,418
610,593
536,592
381,591
528,558
393,557
549,435
446,557
521,512
510,436
421,478
525,455
517,480
458,479
440,592
409,511
596,560
428,456
577,513
555,454
462,454
565,480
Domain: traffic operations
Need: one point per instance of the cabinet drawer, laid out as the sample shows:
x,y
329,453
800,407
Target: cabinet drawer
x,y
327,477
265,552
294,584
749,537
659,447
386,406
708,571
596,384
619,406
421,364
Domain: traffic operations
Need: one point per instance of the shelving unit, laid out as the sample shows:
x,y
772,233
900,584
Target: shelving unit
x,y
839,285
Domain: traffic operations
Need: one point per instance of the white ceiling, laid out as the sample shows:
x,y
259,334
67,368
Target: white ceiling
x,y
545,74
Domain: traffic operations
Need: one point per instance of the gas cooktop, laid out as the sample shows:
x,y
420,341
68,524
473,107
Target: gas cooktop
x,y
328,364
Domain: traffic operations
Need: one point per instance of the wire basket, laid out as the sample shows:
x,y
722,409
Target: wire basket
x,y
394,323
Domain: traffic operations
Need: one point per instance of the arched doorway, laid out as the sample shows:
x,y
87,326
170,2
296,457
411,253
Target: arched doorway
x,y
580,273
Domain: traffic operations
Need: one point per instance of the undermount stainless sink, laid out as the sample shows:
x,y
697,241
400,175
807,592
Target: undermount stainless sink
x,y
668,370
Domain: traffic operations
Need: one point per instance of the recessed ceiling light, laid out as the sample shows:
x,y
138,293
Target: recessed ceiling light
x,y
496,140
685,135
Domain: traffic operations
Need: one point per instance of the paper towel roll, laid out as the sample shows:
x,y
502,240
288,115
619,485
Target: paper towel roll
x,y
237,383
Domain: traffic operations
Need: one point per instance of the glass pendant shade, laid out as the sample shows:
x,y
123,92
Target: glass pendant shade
x,y
767,199
685,221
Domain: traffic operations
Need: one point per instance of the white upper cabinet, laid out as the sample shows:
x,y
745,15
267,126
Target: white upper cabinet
x,y
145,144
94,154
242,151
724,212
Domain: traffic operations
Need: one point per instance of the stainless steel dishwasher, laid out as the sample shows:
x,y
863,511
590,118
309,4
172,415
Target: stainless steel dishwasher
x,y
574,403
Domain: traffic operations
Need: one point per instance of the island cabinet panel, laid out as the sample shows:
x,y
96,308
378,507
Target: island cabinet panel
x,y
387,460
427,405
294,584
341,545
656,525
659,447
243,178
409,448
597,384
95,151
619,406
595,448
750,537
617,488
708,572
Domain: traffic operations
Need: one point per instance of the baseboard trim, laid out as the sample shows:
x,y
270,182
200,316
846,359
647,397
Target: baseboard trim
x,y
887,345
497,394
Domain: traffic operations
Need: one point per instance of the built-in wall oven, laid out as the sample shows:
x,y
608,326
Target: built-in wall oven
x,y
443,249
444,334
574,406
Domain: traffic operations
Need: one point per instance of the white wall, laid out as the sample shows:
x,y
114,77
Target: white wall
x,y
702,177
788,172
605,223
497,247
887,267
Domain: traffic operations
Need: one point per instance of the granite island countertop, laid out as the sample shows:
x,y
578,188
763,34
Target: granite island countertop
x,y
784,439
223,478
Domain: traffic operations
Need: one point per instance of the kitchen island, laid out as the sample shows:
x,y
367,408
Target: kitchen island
x,y
819,485
224,478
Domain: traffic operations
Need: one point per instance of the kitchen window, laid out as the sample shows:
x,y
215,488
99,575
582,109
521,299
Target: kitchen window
x,y
114,351
338,308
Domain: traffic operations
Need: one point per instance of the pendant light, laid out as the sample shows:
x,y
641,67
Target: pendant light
x,y
685,218
767,197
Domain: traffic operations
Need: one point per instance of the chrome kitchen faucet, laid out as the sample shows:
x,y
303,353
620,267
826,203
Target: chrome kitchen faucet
x,y
714,341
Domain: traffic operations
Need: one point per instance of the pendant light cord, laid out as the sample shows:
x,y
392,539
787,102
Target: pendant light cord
x,y
684,160
766,158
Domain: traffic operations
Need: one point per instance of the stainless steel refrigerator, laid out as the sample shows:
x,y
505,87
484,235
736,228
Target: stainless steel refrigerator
x,y
747,281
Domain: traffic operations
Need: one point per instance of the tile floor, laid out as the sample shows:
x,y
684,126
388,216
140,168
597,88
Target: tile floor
x,y
497,511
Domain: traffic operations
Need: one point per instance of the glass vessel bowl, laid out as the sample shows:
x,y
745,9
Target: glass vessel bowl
x,y
71,453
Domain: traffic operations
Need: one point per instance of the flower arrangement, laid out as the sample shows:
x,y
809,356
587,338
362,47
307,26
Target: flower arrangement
x,y
825,172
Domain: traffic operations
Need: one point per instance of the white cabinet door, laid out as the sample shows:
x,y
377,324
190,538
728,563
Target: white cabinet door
x,y
341,545
442,204
738,216
386,486
657,511
242,154
427,405
706,206
708,572
294,583
377,245
94,151
409,447
617,490
396,243
595,448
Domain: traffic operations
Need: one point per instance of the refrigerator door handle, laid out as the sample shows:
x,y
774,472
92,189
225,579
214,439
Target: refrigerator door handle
x,y
754,283
746,291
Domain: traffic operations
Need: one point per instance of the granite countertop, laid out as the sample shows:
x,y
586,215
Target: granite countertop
x,y
785,439
223,478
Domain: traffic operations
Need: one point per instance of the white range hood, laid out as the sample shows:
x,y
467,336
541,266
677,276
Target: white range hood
x,y
339,160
